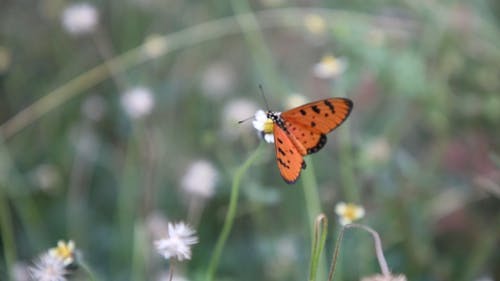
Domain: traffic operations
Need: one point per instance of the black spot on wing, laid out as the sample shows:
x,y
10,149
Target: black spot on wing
x,y
330,106
303,112
319,145
280,161
316,109
281,151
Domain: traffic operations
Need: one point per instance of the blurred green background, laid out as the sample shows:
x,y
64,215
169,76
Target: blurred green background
x,y
103,114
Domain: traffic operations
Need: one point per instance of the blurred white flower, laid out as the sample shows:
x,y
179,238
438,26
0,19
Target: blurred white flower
x,y
330,67
94,107
200,179
381,277
137,102
48,268
377,150
80,18
85,142
349,212
218,80
484,278
238,109
154,46
315,23
177,243
234,111
264,126
46,176
294,100
64,251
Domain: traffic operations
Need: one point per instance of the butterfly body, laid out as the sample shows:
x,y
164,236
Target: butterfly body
x,y
302,130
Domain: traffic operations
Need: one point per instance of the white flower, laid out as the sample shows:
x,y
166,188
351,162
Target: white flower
x,y
330,67
154,46
218,80
315,23
80,18
264,126
200,179
48,268
46,176
294,100
378,150
138,102
85,142
234,111
177,243
64,251
349,212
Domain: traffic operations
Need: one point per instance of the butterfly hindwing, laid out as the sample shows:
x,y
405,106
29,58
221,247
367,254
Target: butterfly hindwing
x,y
290,161
310,123
310,140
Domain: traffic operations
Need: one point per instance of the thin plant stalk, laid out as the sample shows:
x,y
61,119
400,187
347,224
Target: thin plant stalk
x,y
171,271
251,29
384,268
313,204
233,204
320,234
335,257
139,256
7,234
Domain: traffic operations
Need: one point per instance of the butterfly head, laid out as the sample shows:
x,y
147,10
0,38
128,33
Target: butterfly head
x,y
273,117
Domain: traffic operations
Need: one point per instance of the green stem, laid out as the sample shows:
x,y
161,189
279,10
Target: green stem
x,y
311,195
384,268
349,186
8,241
335,257
139,258
127,202
251,28
320,233
228,223
313,204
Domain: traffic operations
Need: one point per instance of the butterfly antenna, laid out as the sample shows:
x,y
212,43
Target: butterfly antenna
x,y
263,96
244,120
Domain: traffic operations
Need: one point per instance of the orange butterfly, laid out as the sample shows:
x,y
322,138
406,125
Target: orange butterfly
x,y
302,130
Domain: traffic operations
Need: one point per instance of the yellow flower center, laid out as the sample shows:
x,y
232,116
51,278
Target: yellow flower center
x,y
331,63
315,24
351,212
64,250
268,126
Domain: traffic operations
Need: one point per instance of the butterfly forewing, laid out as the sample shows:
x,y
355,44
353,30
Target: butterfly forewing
x,y
310,123
289,160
